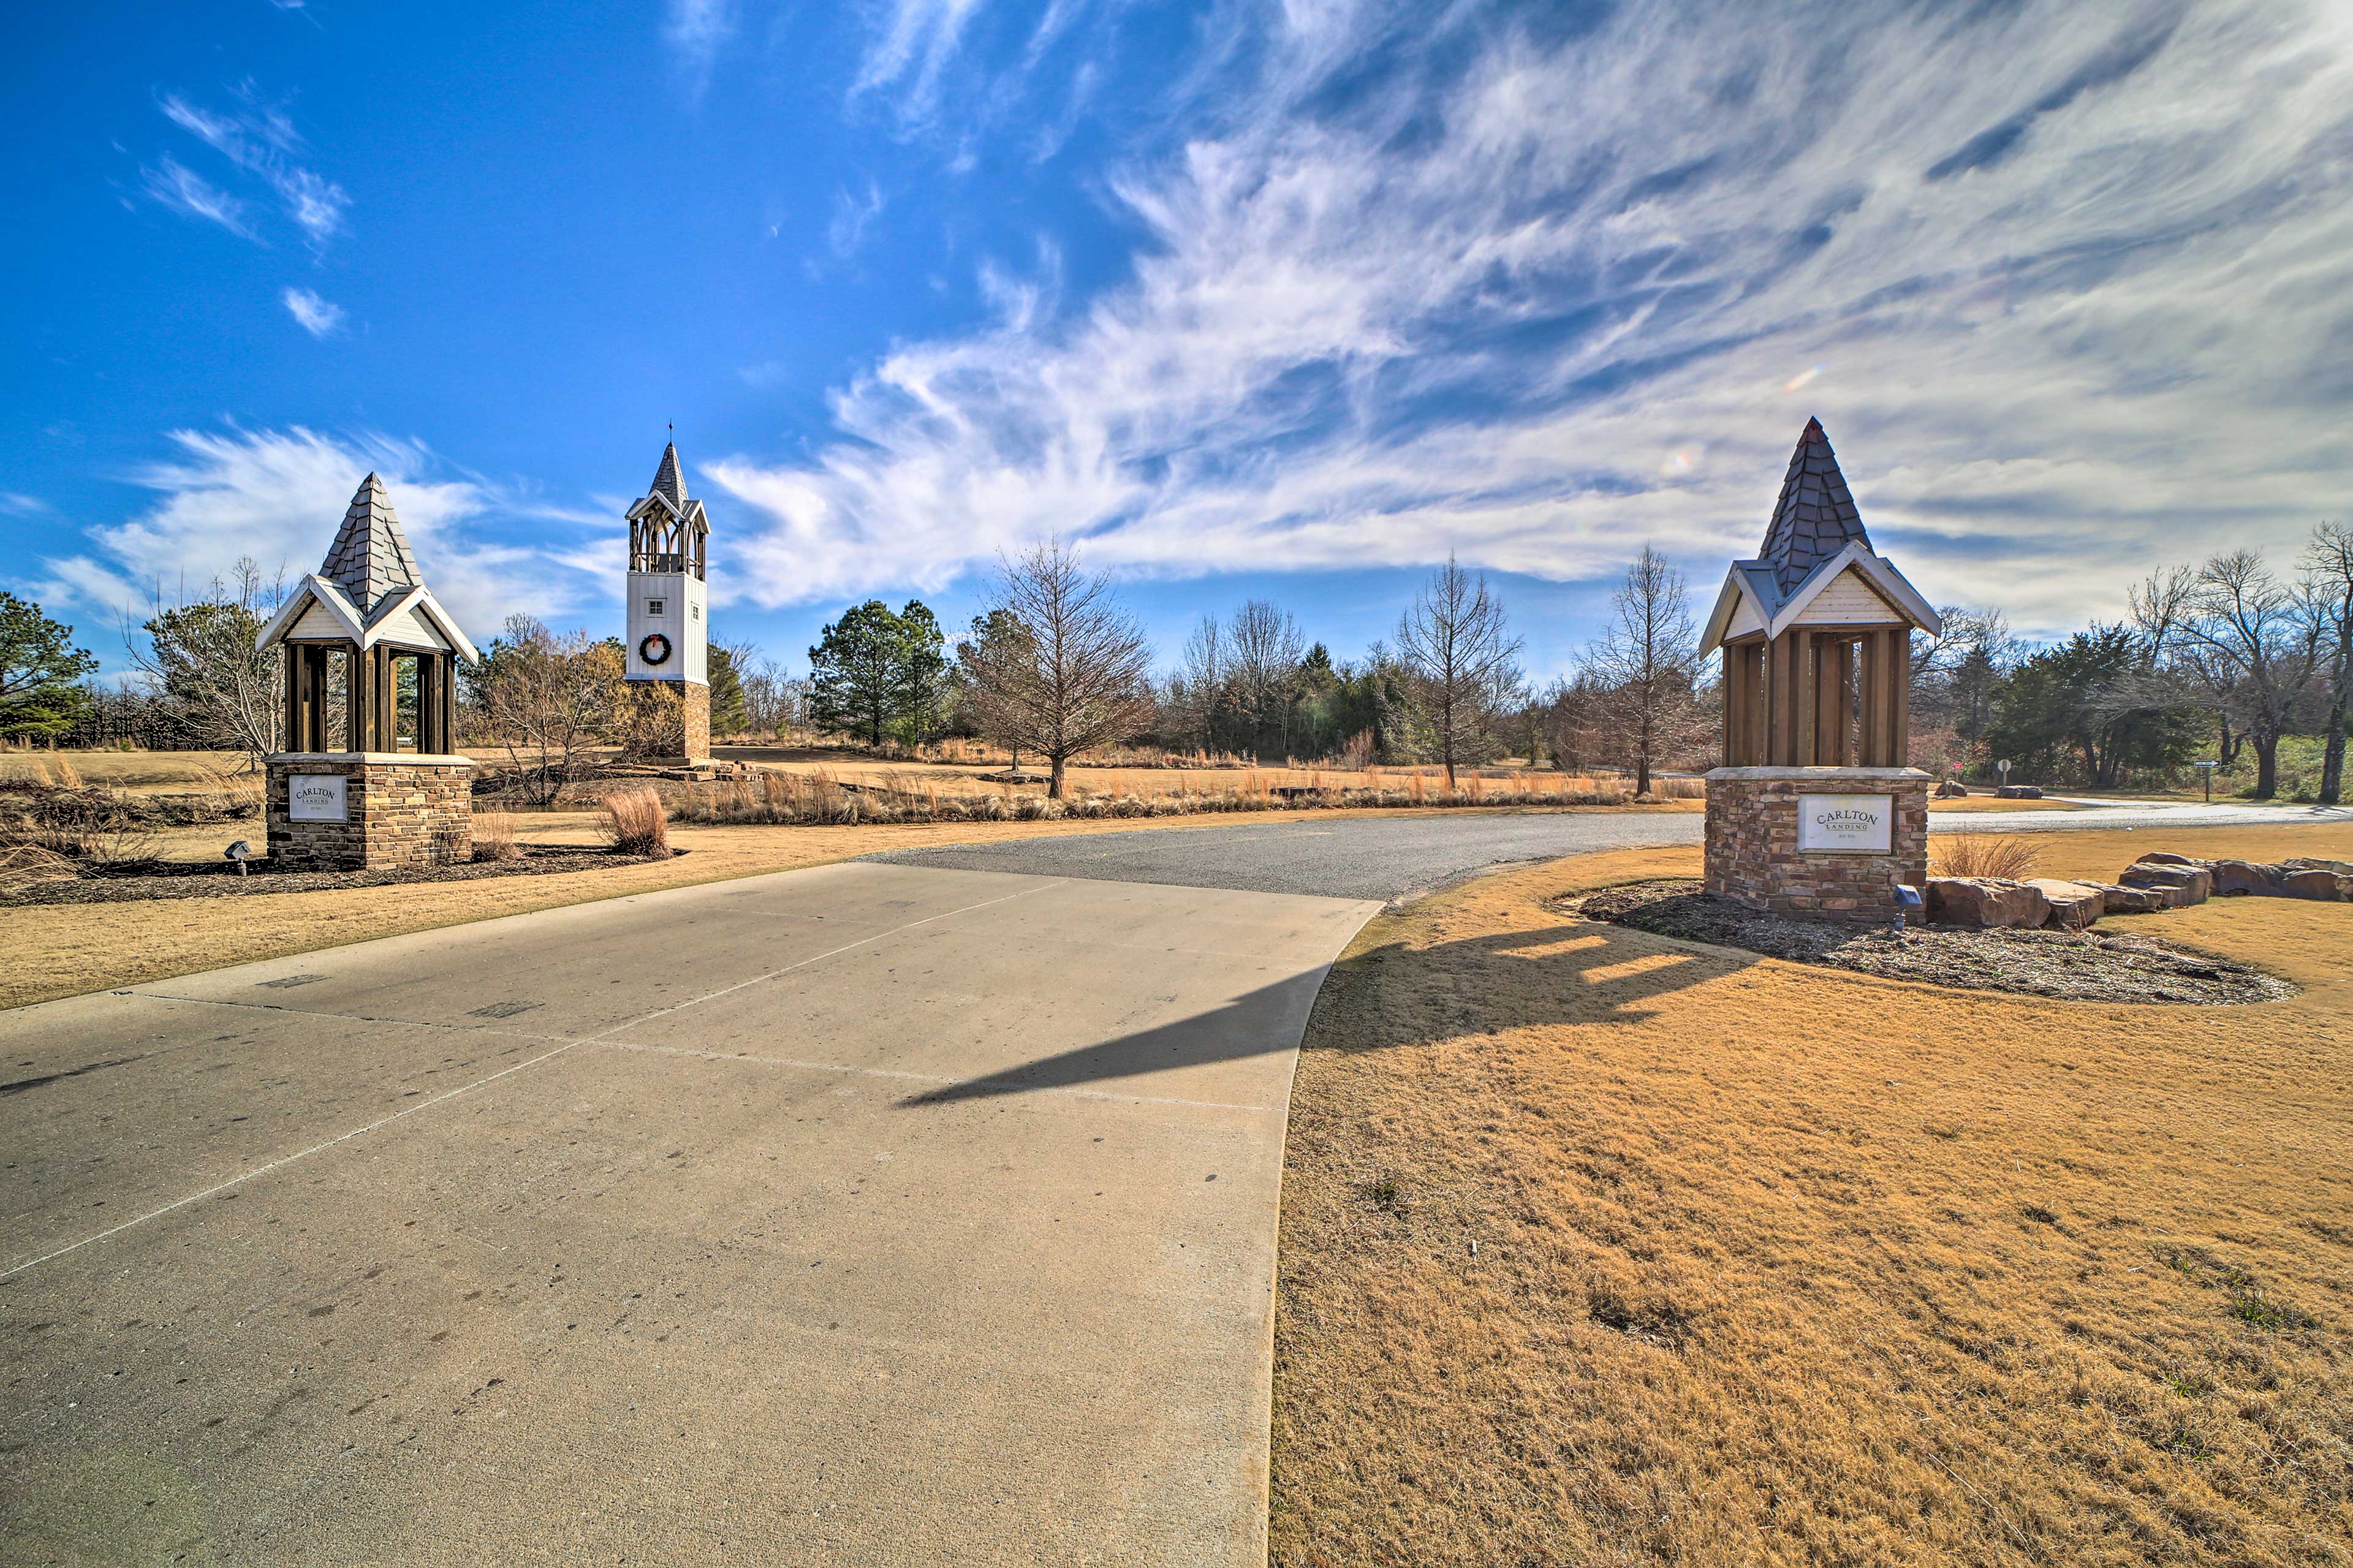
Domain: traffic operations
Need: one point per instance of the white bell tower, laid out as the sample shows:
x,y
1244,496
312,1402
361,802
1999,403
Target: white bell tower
x,y
668,614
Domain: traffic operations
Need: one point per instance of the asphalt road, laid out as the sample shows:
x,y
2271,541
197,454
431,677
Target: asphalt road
x,y
1391,858
855,1216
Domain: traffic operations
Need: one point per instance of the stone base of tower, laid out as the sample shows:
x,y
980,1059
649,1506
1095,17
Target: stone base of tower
x,y
350,811
1829,843
669,722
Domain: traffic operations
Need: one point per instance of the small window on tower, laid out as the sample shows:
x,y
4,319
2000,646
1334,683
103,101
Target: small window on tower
x,y
654,606
694,612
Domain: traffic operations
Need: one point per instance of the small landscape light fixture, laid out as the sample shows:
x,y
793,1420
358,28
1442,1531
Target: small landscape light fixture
x,y
239,852
1907,901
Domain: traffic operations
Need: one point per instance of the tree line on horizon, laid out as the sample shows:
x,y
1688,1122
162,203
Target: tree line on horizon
x,y
2230,660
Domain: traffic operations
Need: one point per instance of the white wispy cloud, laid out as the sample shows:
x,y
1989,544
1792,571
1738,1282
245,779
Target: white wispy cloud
x,y
260,139
1538,301
915,41
278,496
320,318
696,30
172,184
853,215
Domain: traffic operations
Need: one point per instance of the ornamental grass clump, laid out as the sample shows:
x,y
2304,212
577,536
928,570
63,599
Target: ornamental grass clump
x,y
495,837
2000,856
635,822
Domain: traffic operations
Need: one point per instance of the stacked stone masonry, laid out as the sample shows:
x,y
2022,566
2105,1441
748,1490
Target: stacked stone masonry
x,y
402,812
1753,856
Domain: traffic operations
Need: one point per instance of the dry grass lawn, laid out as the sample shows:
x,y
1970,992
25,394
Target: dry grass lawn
x,y
1602,1248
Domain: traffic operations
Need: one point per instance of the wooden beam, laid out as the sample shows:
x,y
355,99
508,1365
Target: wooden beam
x,y
1733,705
1838,712
1806,699
1867,707
1755,752
1900,669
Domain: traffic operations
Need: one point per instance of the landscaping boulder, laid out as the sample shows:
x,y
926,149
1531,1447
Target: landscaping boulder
x,y
2316,882
2328,880
2019,792
2167,857
1951,789
2192,883
1986,903
2246,878
2118,899
2073,905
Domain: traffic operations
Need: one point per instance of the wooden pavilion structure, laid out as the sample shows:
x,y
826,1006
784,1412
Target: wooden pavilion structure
x,y
1816,633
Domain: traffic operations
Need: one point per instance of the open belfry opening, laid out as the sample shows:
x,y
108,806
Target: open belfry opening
x,y
369,775
1816,809
667,652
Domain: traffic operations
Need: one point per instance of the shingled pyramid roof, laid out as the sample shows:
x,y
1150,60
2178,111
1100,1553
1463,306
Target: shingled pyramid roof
x,y
669,482
1815,518
370,560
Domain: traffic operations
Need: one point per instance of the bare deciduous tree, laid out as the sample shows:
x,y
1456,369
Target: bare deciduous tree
x,y
1265,649
2257,640
1458,653
1079,676
200,659
1572,721
1644,664
547,697
2328,571
1200,682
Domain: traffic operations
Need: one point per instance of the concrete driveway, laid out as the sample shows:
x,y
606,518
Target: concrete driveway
x,y
869,1214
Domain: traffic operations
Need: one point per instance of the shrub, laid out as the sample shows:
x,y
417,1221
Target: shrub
x,y
235,795
635,822
26,865
495,837
2002,857
94,826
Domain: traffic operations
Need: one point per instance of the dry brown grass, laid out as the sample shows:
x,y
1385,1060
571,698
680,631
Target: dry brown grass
x,y
495,837
2006,856
784,796
635,822
158,770
1602,1248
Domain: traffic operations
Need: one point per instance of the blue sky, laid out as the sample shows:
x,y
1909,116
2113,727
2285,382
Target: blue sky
x,y
1285,301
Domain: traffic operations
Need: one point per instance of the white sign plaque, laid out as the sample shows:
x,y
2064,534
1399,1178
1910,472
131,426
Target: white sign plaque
x,y
316,797
1846,824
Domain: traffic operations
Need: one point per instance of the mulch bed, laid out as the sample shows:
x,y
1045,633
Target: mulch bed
x,y
2092,965
131,881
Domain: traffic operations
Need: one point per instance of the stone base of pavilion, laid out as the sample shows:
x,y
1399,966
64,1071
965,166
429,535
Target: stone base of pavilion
x,y
1825,843
348,811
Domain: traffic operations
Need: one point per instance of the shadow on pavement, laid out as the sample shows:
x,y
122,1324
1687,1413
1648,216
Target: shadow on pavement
x,y
1583,972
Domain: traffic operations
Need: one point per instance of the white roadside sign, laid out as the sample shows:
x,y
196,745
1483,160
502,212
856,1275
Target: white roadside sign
x,y
317,797
1846,824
